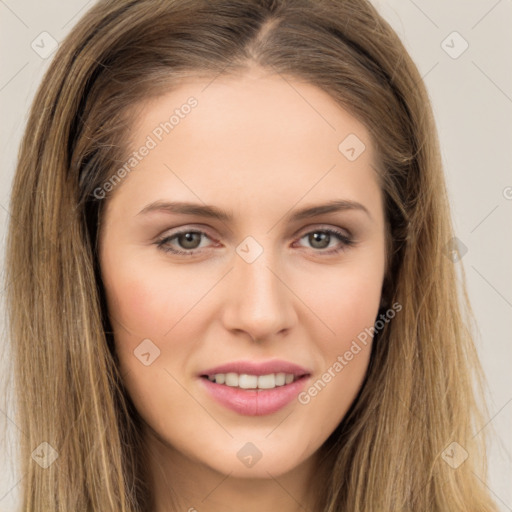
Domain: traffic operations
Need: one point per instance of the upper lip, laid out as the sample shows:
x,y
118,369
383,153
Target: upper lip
x,y
258,368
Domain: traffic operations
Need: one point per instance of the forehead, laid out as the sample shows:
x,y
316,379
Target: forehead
x,y
226,104
232,139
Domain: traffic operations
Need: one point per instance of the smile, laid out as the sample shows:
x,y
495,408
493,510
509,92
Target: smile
x,y
246,381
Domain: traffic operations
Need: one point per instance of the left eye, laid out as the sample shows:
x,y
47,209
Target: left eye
x,y
189,241
321,238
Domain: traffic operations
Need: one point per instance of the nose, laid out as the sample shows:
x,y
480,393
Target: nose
x,y
260,302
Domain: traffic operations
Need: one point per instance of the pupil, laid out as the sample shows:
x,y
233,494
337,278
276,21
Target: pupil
x,y
317,237
188,239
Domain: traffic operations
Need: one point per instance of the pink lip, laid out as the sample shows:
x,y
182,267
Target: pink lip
x,y
253,368
255,402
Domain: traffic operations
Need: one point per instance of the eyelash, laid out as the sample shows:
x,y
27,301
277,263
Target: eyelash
x,y
346,242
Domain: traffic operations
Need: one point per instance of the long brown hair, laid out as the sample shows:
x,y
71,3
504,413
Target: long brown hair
x,y
421,391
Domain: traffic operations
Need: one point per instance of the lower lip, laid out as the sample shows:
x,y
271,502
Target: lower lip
x,y
253,402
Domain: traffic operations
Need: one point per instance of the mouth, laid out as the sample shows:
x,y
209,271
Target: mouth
x,y
254,389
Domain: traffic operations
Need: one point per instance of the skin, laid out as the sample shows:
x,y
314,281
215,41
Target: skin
x,y
259,147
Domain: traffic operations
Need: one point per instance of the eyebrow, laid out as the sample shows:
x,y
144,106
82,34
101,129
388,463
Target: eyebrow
x,y
203,210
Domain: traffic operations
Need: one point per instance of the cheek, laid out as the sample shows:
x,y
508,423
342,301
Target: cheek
x,y
168,308
149,301
146,302
346,299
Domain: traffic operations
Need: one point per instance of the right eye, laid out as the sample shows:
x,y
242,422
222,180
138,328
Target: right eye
x,y
188,240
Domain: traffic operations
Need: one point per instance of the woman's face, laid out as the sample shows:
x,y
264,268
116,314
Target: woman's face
x,y
271,300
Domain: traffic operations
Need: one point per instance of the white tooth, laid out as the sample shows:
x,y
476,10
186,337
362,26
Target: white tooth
x,y
280,379
267,381
231,379
247,381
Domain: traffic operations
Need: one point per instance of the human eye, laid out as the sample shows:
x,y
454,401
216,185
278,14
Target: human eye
x,y
188,242
321,239
188,239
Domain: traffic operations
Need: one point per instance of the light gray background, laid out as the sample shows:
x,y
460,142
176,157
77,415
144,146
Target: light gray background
x,y
472,99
